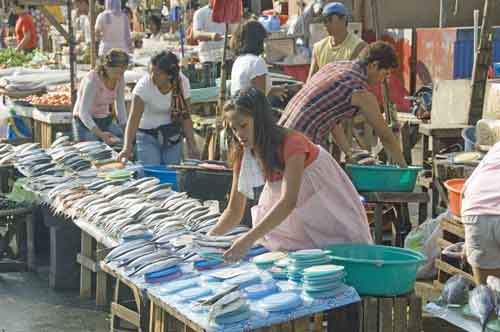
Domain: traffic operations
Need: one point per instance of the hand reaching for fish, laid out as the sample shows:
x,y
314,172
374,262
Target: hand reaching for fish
x,y
239,249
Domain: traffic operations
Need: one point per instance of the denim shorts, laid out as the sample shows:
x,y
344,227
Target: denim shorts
x,y
83,134
151,152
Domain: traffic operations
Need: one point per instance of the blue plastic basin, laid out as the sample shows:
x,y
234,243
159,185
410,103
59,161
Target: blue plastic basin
x,y
163,173
469,136
377,270
384,178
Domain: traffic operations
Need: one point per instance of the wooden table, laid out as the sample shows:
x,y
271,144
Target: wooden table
x,y
20,225
401,199
442,136
399,314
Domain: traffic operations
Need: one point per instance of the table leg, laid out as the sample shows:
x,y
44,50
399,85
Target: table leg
x,y
101,291
85,273
435,194
30,241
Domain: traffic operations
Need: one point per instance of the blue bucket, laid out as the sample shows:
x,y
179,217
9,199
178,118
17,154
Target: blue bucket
x,y
469,136
163,173
496,69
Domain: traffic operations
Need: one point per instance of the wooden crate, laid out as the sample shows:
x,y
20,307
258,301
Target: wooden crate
x,y
453,232
45,133
395,314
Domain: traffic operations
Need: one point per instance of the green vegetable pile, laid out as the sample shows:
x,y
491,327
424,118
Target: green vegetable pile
x,y
11,58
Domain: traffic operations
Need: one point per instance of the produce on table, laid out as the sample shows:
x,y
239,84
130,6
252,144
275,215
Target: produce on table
x,y
10,58
54,100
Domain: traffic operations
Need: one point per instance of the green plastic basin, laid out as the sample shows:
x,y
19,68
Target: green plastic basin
x,y
386,178
377,270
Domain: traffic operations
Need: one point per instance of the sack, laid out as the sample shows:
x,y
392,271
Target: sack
x,y
170,134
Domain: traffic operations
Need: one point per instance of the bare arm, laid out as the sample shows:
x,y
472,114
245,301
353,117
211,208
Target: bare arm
x,y
134,118
292,178
24,42
341,140
314,67
206,36
259,82
234,211
367,102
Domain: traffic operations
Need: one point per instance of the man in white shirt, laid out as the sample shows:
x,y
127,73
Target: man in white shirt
x,y
209,34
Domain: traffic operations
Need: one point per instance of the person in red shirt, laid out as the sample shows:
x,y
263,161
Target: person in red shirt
x,y
308,201
26,37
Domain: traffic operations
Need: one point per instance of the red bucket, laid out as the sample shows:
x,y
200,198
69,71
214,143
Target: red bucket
x,y
455,189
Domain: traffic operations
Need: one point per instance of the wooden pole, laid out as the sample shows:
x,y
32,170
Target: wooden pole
x,y
482,62
214,150
72,56
92,17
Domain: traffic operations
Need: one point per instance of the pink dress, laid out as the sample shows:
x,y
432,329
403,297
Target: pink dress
x,y
328,211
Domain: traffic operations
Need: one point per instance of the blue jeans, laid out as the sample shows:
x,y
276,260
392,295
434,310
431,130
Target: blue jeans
x,y
151,152
83,134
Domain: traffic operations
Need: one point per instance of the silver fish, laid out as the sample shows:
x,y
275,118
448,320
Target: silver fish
x,y
124,248
157,266
482,304
455,290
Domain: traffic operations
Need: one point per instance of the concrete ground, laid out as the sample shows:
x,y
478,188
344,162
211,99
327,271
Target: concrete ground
x,y
28,304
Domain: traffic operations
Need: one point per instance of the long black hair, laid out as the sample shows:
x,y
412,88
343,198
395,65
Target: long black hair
x,y
251,37
168,63
268,136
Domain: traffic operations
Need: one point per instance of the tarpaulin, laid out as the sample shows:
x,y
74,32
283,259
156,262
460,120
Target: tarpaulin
x,y
227,11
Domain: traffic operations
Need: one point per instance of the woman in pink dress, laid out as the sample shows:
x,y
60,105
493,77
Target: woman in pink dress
x,y
307,202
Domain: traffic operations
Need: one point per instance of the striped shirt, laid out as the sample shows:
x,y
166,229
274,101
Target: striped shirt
x,y
325,100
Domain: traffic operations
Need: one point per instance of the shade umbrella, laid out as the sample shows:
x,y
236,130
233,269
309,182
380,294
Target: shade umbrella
x,y
223,11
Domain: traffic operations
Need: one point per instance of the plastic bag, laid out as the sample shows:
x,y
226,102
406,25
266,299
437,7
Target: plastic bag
x,y
424,239
16,129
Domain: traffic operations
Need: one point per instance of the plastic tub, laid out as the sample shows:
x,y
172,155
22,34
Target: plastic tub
x,y
496,69
377,270
455,187
384,178
469,136
163,173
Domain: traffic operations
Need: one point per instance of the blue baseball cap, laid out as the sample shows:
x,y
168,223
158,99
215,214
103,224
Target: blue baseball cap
x,y
334,8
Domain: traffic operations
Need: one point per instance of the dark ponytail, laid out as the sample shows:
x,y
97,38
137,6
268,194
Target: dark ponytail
x,y
168,63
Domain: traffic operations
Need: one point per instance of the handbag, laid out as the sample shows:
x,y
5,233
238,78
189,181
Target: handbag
x,y
179,110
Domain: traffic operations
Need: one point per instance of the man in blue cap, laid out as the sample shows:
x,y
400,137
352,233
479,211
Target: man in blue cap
x,y
340,45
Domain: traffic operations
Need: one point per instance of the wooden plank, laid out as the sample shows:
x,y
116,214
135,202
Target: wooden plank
x,y
87,262
453,227
346,318
393,197
30,242
451,270
288,327
126,314
152,316
385,314
54,22
101,290
188,329
370,314
301,324
415,314
482,63
442,243
400,314
318,322
85,272
176,314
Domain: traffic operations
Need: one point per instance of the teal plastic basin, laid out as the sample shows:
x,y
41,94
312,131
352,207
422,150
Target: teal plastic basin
x,y
385,178
377,270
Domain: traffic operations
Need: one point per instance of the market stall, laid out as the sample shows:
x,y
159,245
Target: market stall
x,y
141,218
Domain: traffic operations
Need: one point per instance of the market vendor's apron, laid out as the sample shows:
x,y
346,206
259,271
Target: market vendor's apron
x,y
328,211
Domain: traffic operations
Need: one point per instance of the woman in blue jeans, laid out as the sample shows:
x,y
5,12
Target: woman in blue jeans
x,y
100,91
160,117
